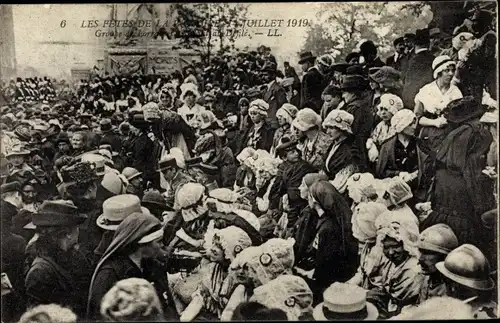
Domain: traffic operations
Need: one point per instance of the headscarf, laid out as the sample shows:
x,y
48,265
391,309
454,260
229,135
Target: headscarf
x,y
131,230
402,229
361,187
260,106
132,299
288,293
232,239
402,119
363,220
191,200
397,191
288,112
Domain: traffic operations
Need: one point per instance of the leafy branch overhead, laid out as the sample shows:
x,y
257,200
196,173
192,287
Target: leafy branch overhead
x,y
210,27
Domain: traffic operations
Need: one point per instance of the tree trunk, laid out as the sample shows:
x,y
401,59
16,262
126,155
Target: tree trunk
x,y
447,15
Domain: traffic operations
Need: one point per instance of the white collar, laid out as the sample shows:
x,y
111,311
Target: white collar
x,y
420,50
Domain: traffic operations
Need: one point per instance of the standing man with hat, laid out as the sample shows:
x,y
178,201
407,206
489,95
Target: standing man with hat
x,y
436,39
370,53
469,279
59,274
135,181
419,71
275,95
109,136
395,60
354,89
409,40
141,157
312,81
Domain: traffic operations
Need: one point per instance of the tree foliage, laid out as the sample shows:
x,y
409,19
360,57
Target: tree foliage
x,y
210,27
342,26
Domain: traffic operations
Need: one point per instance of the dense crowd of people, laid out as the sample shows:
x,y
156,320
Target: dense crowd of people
x,y
236,191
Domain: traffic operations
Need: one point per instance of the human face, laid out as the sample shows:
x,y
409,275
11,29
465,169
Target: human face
x,y
77,141
447,75
137,183
215,253
72,238
348,96
374,85
281,120
334,132
255,117
384,113
28,194
169,173
400,48
304,191
409,44
410,129
166,100
244,109
63,147
428,261
152,249
190,100
292,155
393,250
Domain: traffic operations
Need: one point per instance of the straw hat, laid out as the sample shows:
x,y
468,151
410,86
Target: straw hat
x,y
115,209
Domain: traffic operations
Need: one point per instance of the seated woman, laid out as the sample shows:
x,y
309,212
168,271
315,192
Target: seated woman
x,y
244,175
396,197
285,116
398,155
221,247
304,230
288,293
399,285
371,255
254,267
362,187
388,106
342,160
336,248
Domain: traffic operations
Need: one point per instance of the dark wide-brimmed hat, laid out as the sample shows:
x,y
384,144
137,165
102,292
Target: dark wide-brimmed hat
x,y
306,56
154,198
58,213
353,82
385,75
462,110
105,125
167,162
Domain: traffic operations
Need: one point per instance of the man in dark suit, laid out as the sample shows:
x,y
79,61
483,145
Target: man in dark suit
x,y
312,82
394,61
274,95
419,71
370,53
290,72
409,40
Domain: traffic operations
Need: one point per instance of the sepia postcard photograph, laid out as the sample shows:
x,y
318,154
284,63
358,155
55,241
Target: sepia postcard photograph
x,y
260,161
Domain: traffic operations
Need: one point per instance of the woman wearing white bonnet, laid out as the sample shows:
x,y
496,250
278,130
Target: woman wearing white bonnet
x,y
371,256
190,109
288,293
396,196
285,116
314,148
430,103
399,285
256,266
362,187
221,246
398,155
52,313
132,299
245,176
260,134
388,106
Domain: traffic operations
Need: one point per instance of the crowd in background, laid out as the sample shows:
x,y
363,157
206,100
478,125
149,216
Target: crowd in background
x,y
236,190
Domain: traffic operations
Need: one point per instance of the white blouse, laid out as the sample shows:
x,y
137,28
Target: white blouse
x,y
433,100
